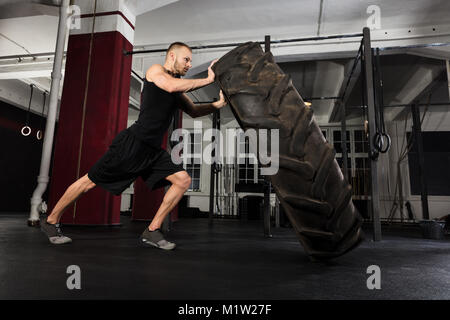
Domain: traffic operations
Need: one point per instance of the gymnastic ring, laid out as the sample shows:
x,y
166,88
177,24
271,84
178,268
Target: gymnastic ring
x,y
388,143
378,141
23,131
39,135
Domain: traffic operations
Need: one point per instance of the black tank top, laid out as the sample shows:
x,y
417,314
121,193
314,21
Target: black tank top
x,y
157,110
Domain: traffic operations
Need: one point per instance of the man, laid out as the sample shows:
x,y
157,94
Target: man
x,y
137,151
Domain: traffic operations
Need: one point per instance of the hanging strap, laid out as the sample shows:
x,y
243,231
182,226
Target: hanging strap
x,y
39,133
85,101
382,141
26,130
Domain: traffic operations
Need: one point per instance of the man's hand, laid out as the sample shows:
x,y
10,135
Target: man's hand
x,y
211,75
221,102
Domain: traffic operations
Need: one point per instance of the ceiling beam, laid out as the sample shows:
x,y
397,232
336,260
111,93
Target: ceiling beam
x,y
348,84
328,80
442,53
425,90
26,68
20,9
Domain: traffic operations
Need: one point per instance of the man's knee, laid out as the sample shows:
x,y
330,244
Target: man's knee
x,y
86,184
183,180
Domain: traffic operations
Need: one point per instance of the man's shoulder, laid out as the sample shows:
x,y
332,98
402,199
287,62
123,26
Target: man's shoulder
x,y
155,68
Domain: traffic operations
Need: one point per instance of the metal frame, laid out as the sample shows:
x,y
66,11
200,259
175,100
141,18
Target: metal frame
x,y
212,189
344,142
351,80
415,46
418,139
225,45
267,183
267,44
419,104
321,98
367,67
365,53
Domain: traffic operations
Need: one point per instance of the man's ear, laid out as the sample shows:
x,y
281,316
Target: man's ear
x,y
172,55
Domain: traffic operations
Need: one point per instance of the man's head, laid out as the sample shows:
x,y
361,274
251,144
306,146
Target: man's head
x,y
178,58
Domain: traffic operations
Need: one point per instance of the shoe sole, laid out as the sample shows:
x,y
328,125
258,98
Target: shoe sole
x,y
147,243
53,241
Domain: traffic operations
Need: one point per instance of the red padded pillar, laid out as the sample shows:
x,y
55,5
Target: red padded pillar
x,y
83,137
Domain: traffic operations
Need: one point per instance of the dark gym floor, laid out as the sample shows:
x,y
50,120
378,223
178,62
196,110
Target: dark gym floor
x,y
232,260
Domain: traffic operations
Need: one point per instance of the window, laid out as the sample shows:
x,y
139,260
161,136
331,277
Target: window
x,y
193,168
436,153
337,141
247,167
325,134
349,165
358,163
360,140
360,178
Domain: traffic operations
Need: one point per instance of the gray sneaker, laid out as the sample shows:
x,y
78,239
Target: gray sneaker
x,y
156,239
54,233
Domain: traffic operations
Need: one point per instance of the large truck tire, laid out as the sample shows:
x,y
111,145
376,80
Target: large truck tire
x,y
309,183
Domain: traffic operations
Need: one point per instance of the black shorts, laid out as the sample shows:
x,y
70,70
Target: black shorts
x,y
129,158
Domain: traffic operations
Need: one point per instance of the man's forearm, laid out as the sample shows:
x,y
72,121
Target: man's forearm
x,y
186,85
204,109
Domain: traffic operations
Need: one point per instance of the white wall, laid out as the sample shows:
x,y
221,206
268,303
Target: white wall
x,y
438,205
200,199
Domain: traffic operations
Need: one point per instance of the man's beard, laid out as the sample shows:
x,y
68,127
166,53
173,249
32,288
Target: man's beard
x,y
178,71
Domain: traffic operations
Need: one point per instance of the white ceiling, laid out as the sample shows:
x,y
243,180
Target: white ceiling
x,y
25,35
218,20
29,26
205,21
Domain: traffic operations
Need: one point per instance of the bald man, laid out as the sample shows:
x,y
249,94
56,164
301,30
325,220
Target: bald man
x,y
136,151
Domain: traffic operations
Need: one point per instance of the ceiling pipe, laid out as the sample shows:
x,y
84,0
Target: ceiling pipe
x,y
37,205
55,3
447,66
